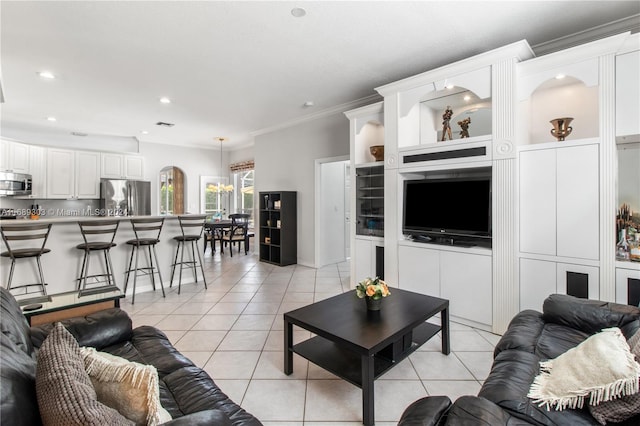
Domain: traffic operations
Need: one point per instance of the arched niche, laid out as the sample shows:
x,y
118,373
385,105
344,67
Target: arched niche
x,y
172,190
554,98
464,104
370,134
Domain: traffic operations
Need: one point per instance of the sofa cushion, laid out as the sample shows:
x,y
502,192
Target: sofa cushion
x,y
63,388
129,387
610,367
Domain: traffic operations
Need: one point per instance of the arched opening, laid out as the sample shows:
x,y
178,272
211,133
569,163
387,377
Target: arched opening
x,y
171,191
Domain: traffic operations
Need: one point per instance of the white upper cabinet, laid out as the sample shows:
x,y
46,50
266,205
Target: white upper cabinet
x,y
119,166
628,94
38,171
14,157
73,174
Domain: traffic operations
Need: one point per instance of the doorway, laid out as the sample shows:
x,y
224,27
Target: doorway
x,y
332,221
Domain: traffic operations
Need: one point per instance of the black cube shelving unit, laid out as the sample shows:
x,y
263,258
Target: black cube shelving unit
x,y
278,228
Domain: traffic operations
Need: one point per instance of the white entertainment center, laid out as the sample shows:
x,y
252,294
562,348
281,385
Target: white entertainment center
x,y
553,204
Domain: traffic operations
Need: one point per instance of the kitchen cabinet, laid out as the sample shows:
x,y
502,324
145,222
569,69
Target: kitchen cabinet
x,y
15,157
627,90
121,166
369,258
73,174
38,171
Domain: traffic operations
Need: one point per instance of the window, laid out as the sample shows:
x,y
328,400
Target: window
x,y
243,197
215,196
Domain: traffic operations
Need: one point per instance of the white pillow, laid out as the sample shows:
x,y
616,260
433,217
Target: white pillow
x,y
129,387
601,368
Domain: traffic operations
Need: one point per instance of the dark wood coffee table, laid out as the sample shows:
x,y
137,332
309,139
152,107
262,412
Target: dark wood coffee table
x,y
359,345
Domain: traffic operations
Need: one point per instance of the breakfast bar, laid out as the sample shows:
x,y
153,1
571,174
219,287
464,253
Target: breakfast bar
x,y
63,264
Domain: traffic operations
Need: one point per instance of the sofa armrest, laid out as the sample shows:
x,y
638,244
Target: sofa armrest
x,y
590,316
427,411
204,418
98,330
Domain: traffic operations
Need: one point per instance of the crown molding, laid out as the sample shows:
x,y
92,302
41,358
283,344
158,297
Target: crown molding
x,y
320,114
631,24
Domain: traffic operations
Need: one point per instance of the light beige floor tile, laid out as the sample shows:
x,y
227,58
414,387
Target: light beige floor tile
x,y
452,388
178,322
469,341
276,400
215,322
271,366
197,340
436,366
228,308
479,363
152,320
232,364
244,340
234,388
262,308
344,399
393,396
198,358
254,322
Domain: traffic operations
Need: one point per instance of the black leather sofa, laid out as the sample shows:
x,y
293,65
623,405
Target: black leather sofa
x,y
187,392
530,338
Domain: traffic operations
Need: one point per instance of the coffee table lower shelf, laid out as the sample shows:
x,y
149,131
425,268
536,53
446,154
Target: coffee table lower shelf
x,y
347,364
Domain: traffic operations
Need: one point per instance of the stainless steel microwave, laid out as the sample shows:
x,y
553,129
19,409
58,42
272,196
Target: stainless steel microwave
x,y
15,183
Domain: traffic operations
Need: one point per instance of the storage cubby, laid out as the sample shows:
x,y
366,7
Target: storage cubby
x,y
278,227
370,201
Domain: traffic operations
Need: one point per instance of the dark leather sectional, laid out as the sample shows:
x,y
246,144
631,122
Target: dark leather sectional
x,y
187,392
530,338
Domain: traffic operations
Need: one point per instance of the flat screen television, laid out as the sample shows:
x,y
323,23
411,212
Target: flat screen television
x,y
455,207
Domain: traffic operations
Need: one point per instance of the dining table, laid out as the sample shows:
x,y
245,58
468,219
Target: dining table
x,y
214,228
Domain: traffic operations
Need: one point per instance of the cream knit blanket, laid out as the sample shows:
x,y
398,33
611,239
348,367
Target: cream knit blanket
x,y
601,368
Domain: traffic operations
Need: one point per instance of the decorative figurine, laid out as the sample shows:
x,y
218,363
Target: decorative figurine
x,y
561,128
446,128
464,125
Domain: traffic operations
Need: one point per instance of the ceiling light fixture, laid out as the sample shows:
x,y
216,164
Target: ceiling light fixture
x,y
221,188
449,86
47,74
309,104
51,119
144,132
165,100
298,12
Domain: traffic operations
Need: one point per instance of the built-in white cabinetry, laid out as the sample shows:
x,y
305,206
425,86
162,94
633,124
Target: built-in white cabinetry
x,y
121,166
73,174
464,277
628,94
367,193
368,260
559,200
628,283
38,171
15,157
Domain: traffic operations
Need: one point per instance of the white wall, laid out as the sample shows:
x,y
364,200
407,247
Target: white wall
x,y
194,162
285,161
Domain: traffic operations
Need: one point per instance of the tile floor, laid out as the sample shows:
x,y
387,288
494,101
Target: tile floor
x,y
234,330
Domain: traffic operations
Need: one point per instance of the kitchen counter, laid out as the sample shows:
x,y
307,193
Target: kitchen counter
x,y
62,265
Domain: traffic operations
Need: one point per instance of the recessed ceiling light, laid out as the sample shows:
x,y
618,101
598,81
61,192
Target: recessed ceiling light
x,y
467,97
47,74
309,104
165,100
298,12
560,76
144,132
52,119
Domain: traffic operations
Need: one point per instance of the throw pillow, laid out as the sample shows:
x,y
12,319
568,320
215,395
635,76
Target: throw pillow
x,y
621,409
601,368
63,388
129,387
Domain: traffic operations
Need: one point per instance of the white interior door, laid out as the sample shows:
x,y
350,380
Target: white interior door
x,y
331,213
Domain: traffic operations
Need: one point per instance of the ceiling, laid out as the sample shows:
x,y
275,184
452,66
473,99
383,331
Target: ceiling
x,y
237,69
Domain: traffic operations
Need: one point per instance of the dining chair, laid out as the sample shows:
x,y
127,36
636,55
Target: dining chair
x,y
237,233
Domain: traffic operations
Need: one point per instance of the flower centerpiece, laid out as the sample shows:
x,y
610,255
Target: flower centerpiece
x,y
373,290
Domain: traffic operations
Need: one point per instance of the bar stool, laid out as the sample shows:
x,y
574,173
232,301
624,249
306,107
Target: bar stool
x,y
30,233
191,227
147,232
98,235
